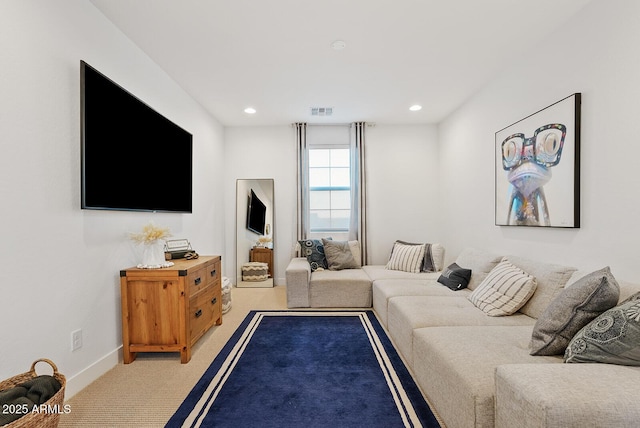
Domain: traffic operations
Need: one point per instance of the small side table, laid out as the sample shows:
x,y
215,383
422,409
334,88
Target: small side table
x,y
264,255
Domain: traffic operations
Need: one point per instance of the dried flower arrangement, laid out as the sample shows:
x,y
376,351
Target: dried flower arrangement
x,y
150,234
263,242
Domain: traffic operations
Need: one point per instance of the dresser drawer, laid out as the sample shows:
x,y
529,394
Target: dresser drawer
x,y
197,280
203,277
202,312
213,272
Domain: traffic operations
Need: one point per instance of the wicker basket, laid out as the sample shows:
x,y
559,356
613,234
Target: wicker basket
x,y
46,419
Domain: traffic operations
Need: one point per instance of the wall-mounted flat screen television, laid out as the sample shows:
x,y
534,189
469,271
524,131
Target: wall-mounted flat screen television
x,y
133,158
256,214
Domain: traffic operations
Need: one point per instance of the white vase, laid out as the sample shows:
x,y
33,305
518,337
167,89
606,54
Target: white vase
x,y
153,255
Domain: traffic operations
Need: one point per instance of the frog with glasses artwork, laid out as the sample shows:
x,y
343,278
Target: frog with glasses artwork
x,y
528,162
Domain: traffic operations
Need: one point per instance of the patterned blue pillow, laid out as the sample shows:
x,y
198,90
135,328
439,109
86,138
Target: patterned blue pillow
x,y
313,250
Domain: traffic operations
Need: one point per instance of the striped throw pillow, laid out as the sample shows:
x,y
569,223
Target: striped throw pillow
x,y
406,257
505,290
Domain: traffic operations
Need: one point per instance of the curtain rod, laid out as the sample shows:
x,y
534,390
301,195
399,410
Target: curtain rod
x,y
369,124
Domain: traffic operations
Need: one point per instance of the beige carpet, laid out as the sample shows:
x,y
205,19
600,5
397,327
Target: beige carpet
x,y
148,391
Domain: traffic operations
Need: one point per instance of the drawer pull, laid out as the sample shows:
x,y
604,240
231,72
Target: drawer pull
x,y
213,272
198,281
198,313
214,300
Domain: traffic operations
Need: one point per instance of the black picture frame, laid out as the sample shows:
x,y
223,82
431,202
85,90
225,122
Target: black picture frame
x,y
537,168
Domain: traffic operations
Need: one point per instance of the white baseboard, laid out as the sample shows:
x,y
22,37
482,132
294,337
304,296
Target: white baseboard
x,y
81,380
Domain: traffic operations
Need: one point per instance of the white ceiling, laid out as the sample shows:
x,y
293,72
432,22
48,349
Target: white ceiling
x,y
276,55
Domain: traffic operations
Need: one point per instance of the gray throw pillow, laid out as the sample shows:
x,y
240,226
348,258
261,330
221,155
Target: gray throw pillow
x,y
455,277
575,307
612,338
339,255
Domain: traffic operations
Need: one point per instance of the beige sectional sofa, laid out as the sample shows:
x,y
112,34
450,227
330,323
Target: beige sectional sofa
x,y
476,370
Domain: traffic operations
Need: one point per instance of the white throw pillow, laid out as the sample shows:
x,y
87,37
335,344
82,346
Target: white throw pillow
x,y
355,250
407,258
437,254
505,290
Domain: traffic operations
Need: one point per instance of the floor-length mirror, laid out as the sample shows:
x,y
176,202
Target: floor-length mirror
x,y
254,233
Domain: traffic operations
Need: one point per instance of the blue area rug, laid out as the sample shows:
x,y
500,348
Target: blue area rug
x,y
306,369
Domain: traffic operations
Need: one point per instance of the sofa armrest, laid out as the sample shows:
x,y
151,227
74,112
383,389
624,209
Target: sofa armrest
x,y
567,395
297,275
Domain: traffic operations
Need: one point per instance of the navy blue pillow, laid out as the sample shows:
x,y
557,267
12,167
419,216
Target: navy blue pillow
x,y
455,277
313,250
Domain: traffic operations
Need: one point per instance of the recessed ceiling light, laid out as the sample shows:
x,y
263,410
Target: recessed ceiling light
x,y
250,110
338,45
415,107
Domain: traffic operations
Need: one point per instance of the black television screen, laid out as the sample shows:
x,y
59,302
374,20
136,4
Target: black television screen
x,y
256,214
133,158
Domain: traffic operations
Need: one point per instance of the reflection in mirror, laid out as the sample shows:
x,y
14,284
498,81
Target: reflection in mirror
x,y
254,233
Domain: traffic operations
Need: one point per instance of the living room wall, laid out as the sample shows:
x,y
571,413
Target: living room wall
x,y
60,264
402,174
595,54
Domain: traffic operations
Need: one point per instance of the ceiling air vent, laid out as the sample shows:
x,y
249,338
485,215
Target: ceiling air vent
x,y
321,111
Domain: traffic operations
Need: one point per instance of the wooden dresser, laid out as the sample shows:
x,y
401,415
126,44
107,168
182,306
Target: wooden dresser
x,y
169,309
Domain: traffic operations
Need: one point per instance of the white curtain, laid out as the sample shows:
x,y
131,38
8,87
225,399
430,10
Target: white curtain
x,y
303,181
358,224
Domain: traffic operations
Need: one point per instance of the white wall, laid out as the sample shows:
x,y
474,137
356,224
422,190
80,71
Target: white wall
x,y
594,53
402,179
60,265
259,153
402,187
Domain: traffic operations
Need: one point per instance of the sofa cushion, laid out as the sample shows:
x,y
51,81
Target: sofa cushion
x,y
505,290
406,313
613,338
340,289
384,289
313,250
480,262
566,395
340,254
455,277
628,291
406,257
633,297
377,272
455,368
551,278
575,307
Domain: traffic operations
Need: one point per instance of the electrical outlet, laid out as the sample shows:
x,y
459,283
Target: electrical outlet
x,y
76,339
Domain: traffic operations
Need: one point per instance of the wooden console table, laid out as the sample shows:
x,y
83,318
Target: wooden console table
x,y
169,309
264,255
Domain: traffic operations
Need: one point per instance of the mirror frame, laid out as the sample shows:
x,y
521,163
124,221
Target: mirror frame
x,y
246,239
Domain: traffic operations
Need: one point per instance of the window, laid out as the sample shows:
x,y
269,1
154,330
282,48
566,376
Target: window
x,y
329,189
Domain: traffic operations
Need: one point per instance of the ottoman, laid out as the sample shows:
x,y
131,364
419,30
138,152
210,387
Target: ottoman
x,y
255,272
